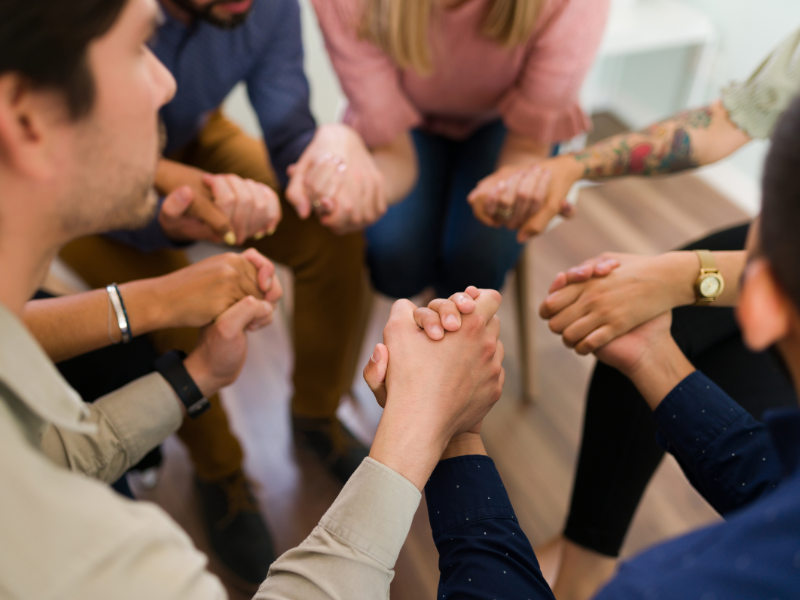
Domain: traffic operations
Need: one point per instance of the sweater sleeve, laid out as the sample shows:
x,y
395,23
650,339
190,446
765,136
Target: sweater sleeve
x,y
378,107
544,104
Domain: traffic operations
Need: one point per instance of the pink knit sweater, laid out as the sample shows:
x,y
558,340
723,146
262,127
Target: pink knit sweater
x,y
534,87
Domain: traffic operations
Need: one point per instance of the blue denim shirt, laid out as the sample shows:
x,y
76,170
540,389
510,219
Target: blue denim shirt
x,y
754,554
266,53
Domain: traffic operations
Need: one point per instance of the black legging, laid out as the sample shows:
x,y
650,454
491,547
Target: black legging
x,y
619,453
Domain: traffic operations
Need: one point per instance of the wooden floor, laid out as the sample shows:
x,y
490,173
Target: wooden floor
x,y
535,446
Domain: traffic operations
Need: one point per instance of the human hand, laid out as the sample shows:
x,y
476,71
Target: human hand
x,y
650,358
438,316
513,195
337,177
436,389
624,291
221,349
217,208
196,295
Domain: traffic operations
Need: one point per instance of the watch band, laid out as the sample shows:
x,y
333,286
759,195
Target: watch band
x,y
171,367
707,266
707,262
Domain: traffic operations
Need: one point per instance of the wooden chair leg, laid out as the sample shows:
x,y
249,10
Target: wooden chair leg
x,y
524,295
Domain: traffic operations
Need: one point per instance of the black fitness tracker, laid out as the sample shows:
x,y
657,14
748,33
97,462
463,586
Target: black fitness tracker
x,y
170,365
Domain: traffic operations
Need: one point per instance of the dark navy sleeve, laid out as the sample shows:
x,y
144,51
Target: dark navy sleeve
x,y
278,91
483,552
728,456
149,238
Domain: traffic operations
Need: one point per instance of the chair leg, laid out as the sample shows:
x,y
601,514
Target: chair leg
x,y
527,345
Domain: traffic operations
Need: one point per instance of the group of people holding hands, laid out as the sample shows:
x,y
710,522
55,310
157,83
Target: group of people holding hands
x,y
115,156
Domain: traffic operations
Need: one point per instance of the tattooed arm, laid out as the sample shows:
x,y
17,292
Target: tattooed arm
x,y
688,140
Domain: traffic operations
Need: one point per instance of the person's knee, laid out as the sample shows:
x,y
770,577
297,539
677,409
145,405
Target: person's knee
x,y
398,272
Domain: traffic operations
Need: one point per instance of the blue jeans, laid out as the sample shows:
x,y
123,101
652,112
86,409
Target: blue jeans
x,y
432,237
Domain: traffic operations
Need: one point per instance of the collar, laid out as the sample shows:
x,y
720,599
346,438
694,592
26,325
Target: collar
x,y
27,371
784,427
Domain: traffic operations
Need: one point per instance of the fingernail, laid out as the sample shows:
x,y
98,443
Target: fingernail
x,y
460,299
341,167
230,238
376,356
436,330
451,320
272,230
259,236
268,283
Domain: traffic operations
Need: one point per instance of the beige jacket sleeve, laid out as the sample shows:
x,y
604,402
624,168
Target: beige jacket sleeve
x,y
755,105
352,552
130,422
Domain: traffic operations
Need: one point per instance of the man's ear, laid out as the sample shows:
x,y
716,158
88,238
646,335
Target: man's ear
x,y
765,312
26,115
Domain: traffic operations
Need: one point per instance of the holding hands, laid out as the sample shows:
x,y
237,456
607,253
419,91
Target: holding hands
x,y
337,178
217,208
606,297
525,198
437,385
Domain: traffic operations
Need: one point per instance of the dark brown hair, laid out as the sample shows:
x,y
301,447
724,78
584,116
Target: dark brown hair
x,y
780,212
46,42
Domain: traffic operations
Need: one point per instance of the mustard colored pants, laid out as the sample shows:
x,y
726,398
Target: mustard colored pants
x,y
329,291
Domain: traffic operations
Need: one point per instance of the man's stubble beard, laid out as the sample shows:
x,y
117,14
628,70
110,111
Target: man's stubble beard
x,y
109,192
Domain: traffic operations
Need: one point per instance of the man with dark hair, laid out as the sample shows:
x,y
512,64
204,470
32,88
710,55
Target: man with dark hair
x,y
78,155
221,184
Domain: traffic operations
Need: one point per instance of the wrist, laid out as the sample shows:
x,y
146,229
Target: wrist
x,y
410,447
680,270
659,371
144,306
464,444
202,376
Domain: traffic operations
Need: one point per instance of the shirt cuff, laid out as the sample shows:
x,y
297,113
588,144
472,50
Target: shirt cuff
x,y
465,489
694,414
373,512
143,414
547,125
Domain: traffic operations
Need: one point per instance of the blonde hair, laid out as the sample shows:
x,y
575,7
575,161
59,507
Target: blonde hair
x,y
400,27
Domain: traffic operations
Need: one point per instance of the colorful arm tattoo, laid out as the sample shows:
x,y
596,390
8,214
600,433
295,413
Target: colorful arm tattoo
x,y
662,148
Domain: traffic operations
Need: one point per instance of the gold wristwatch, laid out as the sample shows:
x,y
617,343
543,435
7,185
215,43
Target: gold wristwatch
x,y
709,284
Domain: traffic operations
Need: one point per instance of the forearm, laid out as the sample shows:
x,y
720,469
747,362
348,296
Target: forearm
x,y
520,151
682,268
397,163
171,174
728,456
686,141
483,552
659,371
353,550
72,325
130,422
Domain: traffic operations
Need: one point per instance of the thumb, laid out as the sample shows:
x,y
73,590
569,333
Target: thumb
x,y
204,209
178,202
247,311
375,373
296,192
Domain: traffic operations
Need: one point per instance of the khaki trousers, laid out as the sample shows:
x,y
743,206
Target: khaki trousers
x,y
329,291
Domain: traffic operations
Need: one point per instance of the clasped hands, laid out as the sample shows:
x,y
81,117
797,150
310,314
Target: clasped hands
x,y
335,177
618,306
437,375
525,197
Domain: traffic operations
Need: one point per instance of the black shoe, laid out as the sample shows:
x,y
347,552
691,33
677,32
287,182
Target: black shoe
x,y
236,530
341,452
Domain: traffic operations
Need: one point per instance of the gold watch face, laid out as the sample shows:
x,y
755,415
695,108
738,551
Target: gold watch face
x,y
710,286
